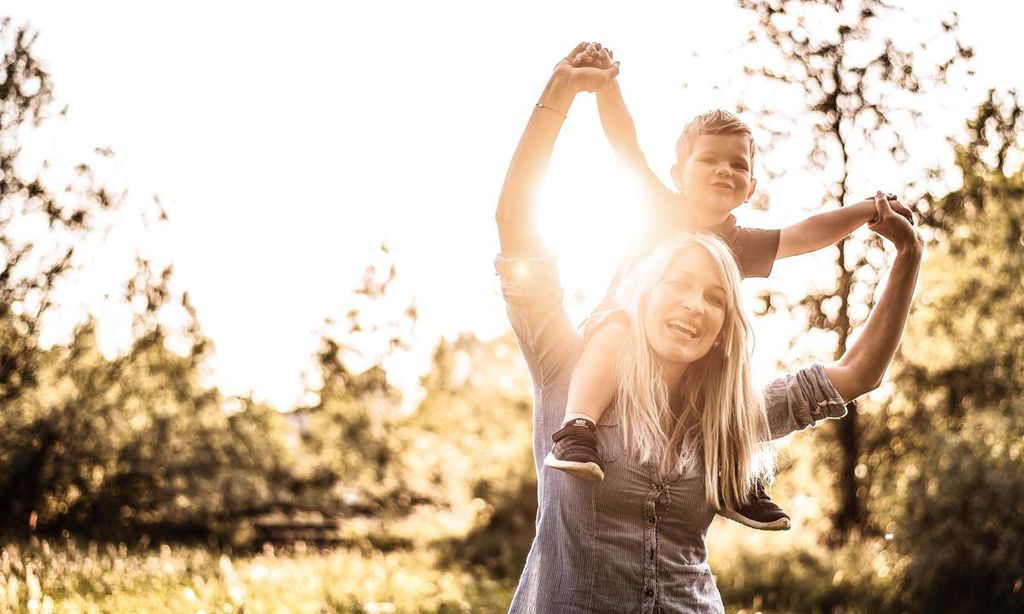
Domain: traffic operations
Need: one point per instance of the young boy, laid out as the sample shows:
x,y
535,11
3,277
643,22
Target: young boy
x,y
712,173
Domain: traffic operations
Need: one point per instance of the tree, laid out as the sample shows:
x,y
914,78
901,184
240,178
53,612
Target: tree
x,y
39,226
470,448
859,93
350,432
134,443
138,443
950,480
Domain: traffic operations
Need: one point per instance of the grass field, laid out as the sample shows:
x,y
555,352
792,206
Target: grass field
x,y
67,577
756,572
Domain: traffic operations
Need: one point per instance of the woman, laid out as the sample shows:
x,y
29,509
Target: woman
x,y
687,421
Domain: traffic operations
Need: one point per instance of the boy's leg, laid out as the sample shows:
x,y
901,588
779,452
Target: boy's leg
x,y
593,383
592,389
760,512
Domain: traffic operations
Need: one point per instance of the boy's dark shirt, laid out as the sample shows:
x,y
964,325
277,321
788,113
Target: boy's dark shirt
x,y
754,248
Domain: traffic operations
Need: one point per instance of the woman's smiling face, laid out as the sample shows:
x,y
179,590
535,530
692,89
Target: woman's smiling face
x,y
685,311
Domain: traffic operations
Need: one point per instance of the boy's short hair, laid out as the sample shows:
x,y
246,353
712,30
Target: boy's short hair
x,y
713,122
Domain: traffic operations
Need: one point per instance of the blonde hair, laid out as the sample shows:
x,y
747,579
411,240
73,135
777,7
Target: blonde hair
x,y
720,418
716,122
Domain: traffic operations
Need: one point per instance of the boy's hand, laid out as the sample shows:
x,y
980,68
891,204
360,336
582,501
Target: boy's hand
x,y
896,206
591,74
892,223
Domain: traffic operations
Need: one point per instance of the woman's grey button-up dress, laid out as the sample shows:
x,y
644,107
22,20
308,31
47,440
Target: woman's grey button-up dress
x,y
635,541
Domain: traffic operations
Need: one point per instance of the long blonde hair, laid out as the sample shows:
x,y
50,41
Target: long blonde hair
x,y
720,418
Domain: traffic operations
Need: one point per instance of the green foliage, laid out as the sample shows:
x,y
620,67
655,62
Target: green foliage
x,y
457,471
949,479
135,443
472,449
984,159
856,577
958,513
39,226
349,437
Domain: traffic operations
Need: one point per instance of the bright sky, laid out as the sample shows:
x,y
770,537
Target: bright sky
x,y
288,140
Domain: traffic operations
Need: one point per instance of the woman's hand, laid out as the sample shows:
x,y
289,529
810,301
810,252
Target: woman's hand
x,y
861,368
587,67
893,221
515,216
594,54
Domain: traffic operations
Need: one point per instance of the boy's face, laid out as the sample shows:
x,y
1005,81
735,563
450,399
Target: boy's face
x,y
716,175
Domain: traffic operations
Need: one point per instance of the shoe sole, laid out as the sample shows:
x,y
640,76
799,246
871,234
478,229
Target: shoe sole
x,y
782,524
588,470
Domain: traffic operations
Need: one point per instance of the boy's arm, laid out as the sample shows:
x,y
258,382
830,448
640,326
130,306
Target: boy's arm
x,y
621,133
620,130
830,227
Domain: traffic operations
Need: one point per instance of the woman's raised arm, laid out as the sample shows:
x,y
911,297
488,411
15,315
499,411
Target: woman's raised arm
x,y
517,228
861,368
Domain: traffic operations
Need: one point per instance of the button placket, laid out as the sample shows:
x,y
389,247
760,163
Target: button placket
x,y
652,513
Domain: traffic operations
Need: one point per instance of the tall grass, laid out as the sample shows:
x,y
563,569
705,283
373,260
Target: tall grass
x,y
756,572
41,577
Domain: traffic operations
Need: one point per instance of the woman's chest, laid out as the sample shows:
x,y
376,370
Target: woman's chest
x,y
635,495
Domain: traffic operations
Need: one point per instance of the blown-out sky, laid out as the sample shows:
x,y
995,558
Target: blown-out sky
x,y
287,141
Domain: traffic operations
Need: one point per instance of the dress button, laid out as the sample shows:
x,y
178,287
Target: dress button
x,y
649,592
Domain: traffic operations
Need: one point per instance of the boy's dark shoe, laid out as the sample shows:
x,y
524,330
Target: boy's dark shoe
x,y
575,450
759,513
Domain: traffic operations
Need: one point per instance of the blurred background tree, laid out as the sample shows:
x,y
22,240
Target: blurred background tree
x,y
859,92
950,447
137,444
349,432
109,447
471,446
39,227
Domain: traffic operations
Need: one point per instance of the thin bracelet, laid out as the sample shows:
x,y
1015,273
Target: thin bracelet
x,y
541,105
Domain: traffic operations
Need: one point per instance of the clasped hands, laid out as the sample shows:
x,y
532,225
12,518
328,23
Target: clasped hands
x,y
588,67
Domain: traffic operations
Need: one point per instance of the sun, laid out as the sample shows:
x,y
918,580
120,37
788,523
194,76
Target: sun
x,y
589,212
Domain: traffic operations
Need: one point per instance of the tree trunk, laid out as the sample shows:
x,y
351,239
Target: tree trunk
x,y
848,514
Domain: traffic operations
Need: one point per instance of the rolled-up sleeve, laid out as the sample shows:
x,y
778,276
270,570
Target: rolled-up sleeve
x,y
534,299
800,399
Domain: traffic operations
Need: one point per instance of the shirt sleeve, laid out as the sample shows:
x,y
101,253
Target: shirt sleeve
x,y
534,301
755,250
800,399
